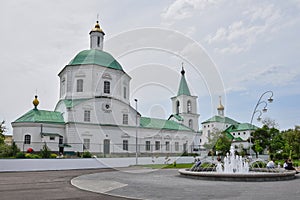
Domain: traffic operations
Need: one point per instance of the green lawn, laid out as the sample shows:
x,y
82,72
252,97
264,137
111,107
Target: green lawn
x,y
169,166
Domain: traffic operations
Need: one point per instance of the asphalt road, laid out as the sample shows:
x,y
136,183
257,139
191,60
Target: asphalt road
x,y
47,185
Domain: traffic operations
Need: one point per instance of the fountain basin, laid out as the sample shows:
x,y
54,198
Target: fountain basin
x,y
253,176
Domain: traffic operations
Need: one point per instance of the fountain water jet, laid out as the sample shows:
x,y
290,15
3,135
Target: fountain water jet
x,y
233,164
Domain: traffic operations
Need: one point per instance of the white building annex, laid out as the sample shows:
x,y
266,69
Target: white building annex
x,y
236,131
93,112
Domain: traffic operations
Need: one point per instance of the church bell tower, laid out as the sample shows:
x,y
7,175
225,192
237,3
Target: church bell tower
x,y
185,105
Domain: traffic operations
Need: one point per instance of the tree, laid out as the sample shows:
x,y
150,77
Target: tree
x,y
2,130
218,141
223,144
292,142
277,143
271,123
45,152
261,139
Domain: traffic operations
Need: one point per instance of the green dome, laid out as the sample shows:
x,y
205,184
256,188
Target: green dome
x,y
96,57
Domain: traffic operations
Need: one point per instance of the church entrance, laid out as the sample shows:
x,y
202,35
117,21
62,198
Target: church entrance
x,y
106,146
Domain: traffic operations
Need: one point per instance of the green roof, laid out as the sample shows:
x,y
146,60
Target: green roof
x,y
220,119
96,57
183,87
176,116
229,136
240,127
70,103
146,122
51,134
238,139
44,116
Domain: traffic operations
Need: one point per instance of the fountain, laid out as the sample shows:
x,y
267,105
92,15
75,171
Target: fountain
x,y
233,164
236,168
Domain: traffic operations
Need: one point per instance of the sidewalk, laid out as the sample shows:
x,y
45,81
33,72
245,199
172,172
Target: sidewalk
x,y
13,165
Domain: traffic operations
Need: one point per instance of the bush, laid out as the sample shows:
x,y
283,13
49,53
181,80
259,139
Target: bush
x,y
45,152
86,154
294,157
278,156
207,165
5,151
32,156
20,155
53,155
14,149
258,164
285,156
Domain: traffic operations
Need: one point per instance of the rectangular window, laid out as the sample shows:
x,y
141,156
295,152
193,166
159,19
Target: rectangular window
x,y
79,87
27,139
106,87
87,116
125,145
157,145
167,146
148,146
176,146
86,143
52,137
125,118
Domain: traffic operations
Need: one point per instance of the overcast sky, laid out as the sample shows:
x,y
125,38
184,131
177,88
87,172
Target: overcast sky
x,y
230,48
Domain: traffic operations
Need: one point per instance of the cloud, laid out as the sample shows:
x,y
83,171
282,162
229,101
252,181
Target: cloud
x,y
182,9
277,75
257,21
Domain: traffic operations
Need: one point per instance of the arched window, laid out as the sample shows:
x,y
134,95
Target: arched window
x,y
27,139
177,107
106,87
79,86
191,123
124,92
189,106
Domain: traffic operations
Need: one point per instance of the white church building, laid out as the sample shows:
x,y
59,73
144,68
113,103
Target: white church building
x,y
93,112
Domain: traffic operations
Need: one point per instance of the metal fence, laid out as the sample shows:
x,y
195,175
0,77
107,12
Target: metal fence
x,y
109,148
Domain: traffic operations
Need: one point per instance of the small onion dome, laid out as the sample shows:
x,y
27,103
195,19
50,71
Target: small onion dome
x,y
35,102
97,28
221,107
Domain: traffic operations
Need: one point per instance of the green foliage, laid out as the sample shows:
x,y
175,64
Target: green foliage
x,y
5,151
212,140
86,154
258,164
20,155
32,156
207,165
14,149
2,130
53,155
223,144
260,138
45,152
169,166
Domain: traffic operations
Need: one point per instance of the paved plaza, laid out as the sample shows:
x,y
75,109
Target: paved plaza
x,y
135,183
167,184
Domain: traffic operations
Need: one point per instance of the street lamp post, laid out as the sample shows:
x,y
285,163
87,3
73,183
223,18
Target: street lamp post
x,y
260,111
136,133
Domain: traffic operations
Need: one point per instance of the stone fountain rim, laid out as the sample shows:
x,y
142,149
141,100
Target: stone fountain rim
x,y
255,176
